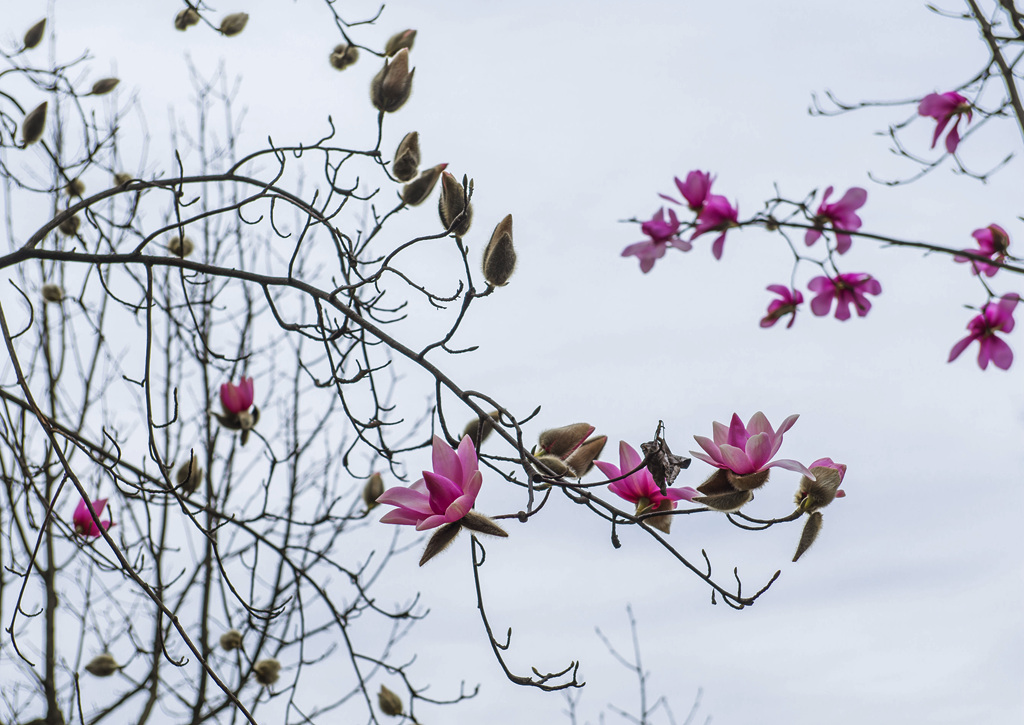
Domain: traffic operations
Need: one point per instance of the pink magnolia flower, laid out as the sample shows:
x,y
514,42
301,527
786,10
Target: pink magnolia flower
x,y
237,398
993,241
995,317
787,303
83,521
639,487
695,189
443,495
942,107
662,235
718,215
819,493
846,289
746,449
840,215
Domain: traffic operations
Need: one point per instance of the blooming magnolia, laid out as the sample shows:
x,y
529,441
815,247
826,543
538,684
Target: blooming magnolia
x,y
787,303
717,215
638,486
993,241
83,521
695,189
237,398
828,477
995,317
662,234
442,496
840,214
943,107
846,289
746,449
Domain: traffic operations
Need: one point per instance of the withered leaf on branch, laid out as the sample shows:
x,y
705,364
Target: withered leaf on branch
x,y
389,702
663,464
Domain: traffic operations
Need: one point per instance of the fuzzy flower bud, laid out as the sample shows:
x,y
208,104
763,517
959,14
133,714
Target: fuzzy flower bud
x,y
373,488
392,85
34,35
438,542
407,157
267,671
104,86
343,56
121,178
416,191
233,24
499,255
103,665
561,442
819,493
809,534
69,227
189,475
581,461
389,702
186,19
396,42
231,640
34,124
452,204
53,293
180,247
75,187
479,429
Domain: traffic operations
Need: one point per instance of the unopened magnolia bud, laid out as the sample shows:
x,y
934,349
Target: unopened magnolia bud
x,y
416,191
75,187
53,293
392,85
479,429
267,671
726,502
819,493
396,42
582,459
233,24
180,247
104,85
103,665
34,124
481,524
190,475
407,157
560,442
389,702
749,481
34,35
373,488
231,640
186,19
499,255
120,179
809,534
717,483
70,226
440,540
453,203
557,466
344,55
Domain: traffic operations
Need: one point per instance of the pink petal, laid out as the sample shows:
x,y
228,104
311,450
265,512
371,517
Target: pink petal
x,y
737,460
446,462
791,465
467,457
707,459
442,491
609,470
629,459
712,448
406,498
960,347
1000,353
402,517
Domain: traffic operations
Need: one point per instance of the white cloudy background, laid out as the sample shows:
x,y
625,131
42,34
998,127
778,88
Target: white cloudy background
x,y
572,116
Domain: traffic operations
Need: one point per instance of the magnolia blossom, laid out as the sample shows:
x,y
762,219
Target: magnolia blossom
x,y
993,241
787,303
942,107
639,486
237,398
746,449
846,289
717,215
995,317
83,521
816,494
695,189
442,496
840,214
662,235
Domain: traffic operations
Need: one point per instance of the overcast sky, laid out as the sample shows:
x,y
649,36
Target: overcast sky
x,y
572,116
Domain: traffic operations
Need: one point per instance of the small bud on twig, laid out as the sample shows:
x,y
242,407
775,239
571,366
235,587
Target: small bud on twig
x,y
104,86
373,488
233,24
389,702
34,124
103,665
343,56
726,502
396,42
180,247
69,227
391,87
416,191
482,524
190,475
560,442
479,429
186,19
809,534
75,187
34,35
53,293
267,671
407,157
582,459
231,640
453,203
120,179
499,255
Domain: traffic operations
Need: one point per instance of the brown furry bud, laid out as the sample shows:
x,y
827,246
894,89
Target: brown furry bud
x,y
120,179
499,255
233,24
819,493
34,35
749,481
34,124
186,19
416,191
557,466
103,665
75,187
809,534
407,157
180,247
392,85
267,671
53,293
231,640
69,227
479,429
389,702
582,459
189,475
104,86
560,442
343,56
453,203
396,42
481,524
726,502
440,540
373,488
661,523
